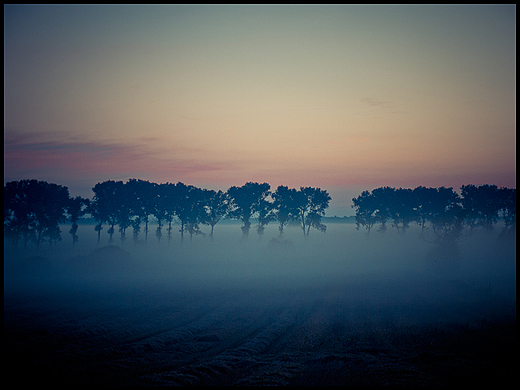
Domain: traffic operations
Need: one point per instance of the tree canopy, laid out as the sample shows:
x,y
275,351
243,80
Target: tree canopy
x,y
446,211
34,209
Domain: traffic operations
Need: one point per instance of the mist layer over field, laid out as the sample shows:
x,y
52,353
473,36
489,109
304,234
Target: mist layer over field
x,y
256,310
342,255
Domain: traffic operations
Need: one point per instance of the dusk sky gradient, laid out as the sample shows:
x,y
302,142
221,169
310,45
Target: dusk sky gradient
x,y
345,98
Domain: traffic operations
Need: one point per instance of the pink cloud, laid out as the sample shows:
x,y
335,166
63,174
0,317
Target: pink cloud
x,y
82,164
96,160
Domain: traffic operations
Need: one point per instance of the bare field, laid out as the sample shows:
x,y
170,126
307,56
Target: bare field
x,y
338,309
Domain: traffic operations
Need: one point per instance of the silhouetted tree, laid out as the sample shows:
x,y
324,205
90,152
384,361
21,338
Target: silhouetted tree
x,y
189,209
125,212
507,202
143,198
447,220
106,205
161,206
216,206
169,197
182,206
384,196
34,209
76,208
50,205
135,207
284,206
447,217
98,208
245,202
366,208
378,206
424,198
311,204
265,214
403,209
19,221
469,205
481,204
196,211
93,210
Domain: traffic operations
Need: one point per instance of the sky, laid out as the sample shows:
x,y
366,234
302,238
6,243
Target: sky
x,y
345,98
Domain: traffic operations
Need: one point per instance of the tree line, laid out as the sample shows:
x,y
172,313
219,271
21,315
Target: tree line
x,y
34,209
441,209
